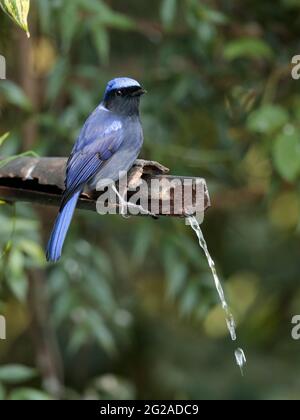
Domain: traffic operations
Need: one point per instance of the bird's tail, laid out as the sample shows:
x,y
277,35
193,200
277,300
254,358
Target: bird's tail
x,y
60,229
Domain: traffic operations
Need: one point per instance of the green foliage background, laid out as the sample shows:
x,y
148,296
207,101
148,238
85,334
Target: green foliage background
x,y
131,311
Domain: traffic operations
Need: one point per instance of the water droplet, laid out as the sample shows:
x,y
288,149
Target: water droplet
x,y
240,359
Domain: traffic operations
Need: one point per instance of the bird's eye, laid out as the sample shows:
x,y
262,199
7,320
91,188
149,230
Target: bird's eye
x,y
119,93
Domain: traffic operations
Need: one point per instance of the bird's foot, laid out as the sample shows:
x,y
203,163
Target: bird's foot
x,y
124,205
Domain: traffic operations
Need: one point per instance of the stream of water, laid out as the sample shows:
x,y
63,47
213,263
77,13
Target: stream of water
x,y
239,353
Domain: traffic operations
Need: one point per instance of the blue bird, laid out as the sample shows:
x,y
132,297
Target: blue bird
x,y
109,142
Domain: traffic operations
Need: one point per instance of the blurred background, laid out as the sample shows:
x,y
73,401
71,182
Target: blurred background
x,y
131,310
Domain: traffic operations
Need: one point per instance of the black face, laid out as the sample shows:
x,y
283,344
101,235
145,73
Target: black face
x,y
132,91
124,100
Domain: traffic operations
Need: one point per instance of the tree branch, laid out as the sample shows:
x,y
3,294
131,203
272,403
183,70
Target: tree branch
x,y
41,180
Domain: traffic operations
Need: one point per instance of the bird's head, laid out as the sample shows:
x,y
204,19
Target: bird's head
x,y
122,96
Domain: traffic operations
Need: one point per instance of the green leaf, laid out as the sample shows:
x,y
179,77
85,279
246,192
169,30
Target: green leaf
x,y
69,20
2,392
57,79
3,138
247,48
141,246
18,11
33,250
19,286
176,276
189,300
214,16
15,95
286,154
267,119
28,394
17,280
78,339
6,161
44,9
16,373
118,21
168,11
291,4
101,331
207,14
105,15
101,42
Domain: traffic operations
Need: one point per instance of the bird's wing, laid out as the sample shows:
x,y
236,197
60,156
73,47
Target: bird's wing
x,y
83,164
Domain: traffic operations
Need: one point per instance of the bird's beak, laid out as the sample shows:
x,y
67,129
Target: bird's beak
x,y
139,92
